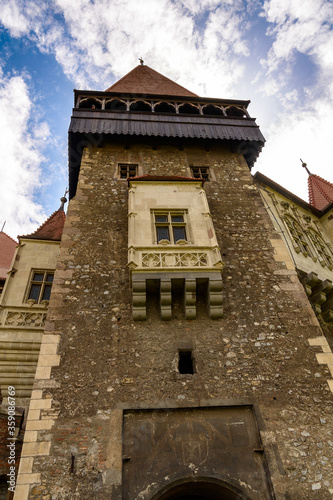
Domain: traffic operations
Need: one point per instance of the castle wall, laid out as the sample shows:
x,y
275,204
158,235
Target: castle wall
x,y
108,389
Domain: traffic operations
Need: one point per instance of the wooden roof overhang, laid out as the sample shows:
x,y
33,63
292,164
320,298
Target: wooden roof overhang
x,y
95,126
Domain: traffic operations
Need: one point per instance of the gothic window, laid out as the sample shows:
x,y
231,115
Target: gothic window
x,y
324,254
40,286
200,173
127,170
301,243
170,226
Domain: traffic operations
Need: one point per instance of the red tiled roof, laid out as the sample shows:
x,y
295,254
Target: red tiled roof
x,y
145,80
320,192
7,250
51,229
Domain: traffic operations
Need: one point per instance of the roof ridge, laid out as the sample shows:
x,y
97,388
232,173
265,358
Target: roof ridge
x,y
154,78
44,225
3,232
313,180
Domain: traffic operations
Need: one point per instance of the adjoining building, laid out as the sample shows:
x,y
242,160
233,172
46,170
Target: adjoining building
x,y
306,230
28,270
181,357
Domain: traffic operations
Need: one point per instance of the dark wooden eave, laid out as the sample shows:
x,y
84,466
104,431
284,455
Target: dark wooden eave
x,y
95,126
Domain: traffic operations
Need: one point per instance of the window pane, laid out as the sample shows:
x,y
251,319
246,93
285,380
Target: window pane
x,y
34,292
177,218
162,233
179,233
161,218
47,292
38,277
49,278
132,172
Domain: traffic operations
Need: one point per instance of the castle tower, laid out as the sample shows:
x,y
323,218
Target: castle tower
x,y
176,361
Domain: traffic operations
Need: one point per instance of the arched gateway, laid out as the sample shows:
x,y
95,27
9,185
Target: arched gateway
x,y
200,489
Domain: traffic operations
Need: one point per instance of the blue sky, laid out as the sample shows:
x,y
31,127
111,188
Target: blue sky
x,y
277,53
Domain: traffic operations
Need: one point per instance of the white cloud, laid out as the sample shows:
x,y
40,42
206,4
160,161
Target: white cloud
x,y
302,134
13,18
300,26
21,141
95,40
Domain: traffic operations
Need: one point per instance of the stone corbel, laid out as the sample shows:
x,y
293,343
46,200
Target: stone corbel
x,y
139,300
165,299
215,308
190,298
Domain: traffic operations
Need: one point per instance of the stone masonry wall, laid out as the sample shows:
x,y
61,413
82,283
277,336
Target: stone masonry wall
x,y
257,353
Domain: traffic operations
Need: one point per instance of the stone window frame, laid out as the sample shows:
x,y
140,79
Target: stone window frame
x,y
42,284
170,212
198,165
299,238
121,166
202,172
321,248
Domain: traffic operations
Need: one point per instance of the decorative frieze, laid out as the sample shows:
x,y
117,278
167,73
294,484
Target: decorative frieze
x,y
26,319
179,259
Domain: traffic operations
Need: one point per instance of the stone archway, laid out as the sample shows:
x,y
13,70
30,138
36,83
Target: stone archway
x,y
203,489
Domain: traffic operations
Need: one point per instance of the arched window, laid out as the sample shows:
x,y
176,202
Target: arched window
x,y
211,109
301,243
324,254
235,111
90,104
188,109
164,107
116,105
140,106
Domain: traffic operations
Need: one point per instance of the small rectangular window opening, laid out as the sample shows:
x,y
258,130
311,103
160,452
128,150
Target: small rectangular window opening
x,y
200,173
127,170
186,364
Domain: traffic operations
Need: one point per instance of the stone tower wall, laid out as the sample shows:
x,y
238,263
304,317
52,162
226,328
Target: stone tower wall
x,y
96,363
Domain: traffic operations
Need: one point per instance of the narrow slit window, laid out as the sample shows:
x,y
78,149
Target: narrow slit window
x,y
186,364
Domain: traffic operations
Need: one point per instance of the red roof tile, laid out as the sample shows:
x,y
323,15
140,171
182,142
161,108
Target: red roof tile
x,y
7,250
320,192
51,229
145,80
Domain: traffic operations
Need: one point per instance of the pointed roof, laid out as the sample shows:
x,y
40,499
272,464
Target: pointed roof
x,y
145,80
51,229
320,192
7,250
